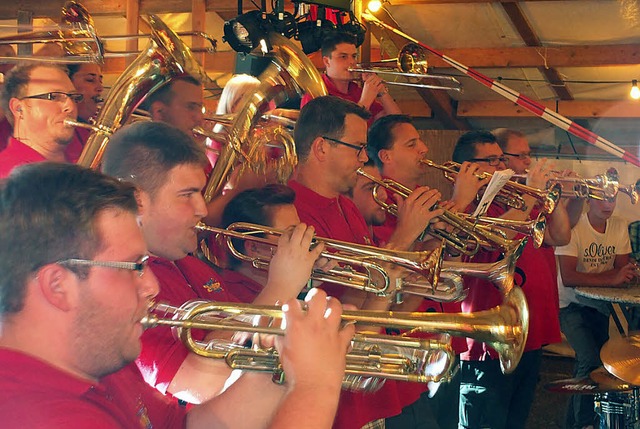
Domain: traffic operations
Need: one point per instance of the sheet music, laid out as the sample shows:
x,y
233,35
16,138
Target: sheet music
x,y
497,182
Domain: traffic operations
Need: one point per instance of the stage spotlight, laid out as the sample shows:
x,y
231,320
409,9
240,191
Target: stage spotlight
x,y
374,5
635,91
248,31
311,33
283,23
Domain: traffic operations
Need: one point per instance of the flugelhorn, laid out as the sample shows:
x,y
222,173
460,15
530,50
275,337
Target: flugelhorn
x,y
504,328
374,278
511,193
471,235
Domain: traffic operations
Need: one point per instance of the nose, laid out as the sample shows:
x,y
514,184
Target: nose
x,y
362,156
422,147
200,206
69,106
148,284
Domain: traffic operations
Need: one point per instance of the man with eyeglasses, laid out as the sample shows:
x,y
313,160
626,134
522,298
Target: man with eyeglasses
x,y
39,97
331,139
339,54
487,397
73,290
166,165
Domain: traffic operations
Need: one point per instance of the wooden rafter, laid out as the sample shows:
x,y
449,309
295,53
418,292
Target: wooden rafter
x,y
523,27
571,108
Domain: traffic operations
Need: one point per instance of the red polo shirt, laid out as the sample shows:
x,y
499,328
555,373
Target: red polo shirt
x,y
241,286
17,153
339,219
34,394
353,93
187,279
6,131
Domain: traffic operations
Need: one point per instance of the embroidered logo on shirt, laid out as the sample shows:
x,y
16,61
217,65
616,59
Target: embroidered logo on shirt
x,y
143,416
212,286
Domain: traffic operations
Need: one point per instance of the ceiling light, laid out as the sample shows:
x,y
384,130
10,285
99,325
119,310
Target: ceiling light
x,y
635,91
374,5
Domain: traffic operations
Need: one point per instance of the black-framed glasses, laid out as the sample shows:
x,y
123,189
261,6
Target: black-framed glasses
x,y
58,96
520,156
493,161
356,147
138,266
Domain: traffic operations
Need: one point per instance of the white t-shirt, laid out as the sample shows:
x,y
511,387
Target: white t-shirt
x,y
596,252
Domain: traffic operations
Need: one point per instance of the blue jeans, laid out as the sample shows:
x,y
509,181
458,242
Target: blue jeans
x,y
491,399
587,330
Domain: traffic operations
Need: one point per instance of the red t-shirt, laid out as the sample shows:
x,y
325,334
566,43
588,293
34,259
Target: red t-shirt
x,y
187,279
339,219
6,131
34,394
538,280
353,93
17,153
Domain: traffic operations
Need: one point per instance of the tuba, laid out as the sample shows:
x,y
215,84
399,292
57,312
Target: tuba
x,y
289,73
164,58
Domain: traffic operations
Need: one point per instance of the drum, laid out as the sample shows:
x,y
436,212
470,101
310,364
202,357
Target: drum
x,y
618,410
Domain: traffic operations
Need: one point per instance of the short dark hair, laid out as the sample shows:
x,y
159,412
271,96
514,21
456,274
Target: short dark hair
x,y
256,206
380,135
504,134
143,153
465,148
48,213
16,81
323,116
164,93
335,38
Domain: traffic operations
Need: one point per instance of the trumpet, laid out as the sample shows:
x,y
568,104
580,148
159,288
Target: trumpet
x,y
602,187
411,62
511,193
375,277
474,236
504,328
533,228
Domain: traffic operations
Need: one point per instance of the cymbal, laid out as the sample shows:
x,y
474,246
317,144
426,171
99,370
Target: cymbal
x,y
599,381
621,357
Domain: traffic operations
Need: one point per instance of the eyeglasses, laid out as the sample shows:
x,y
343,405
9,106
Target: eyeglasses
x,y
132,266
356,147
520,156
493,161
58,96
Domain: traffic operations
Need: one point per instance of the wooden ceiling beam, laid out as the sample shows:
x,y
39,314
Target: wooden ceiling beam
x,y
53,8
569,108
524,28
542,56
427,2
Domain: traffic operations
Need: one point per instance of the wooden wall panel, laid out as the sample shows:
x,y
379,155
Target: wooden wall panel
x,y
440,144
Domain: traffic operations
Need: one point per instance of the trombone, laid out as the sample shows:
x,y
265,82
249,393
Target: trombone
x,y
411,62
510,194
375,278
476,236
504,328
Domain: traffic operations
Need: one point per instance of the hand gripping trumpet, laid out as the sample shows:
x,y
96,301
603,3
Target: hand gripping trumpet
x,y
374,278
469,236
511,193
504,328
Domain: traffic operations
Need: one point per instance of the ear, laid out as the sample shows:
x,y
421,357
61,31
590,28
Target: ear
x,y
144,202
319,148
16,107
385,155
55,282
156,110
325,61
